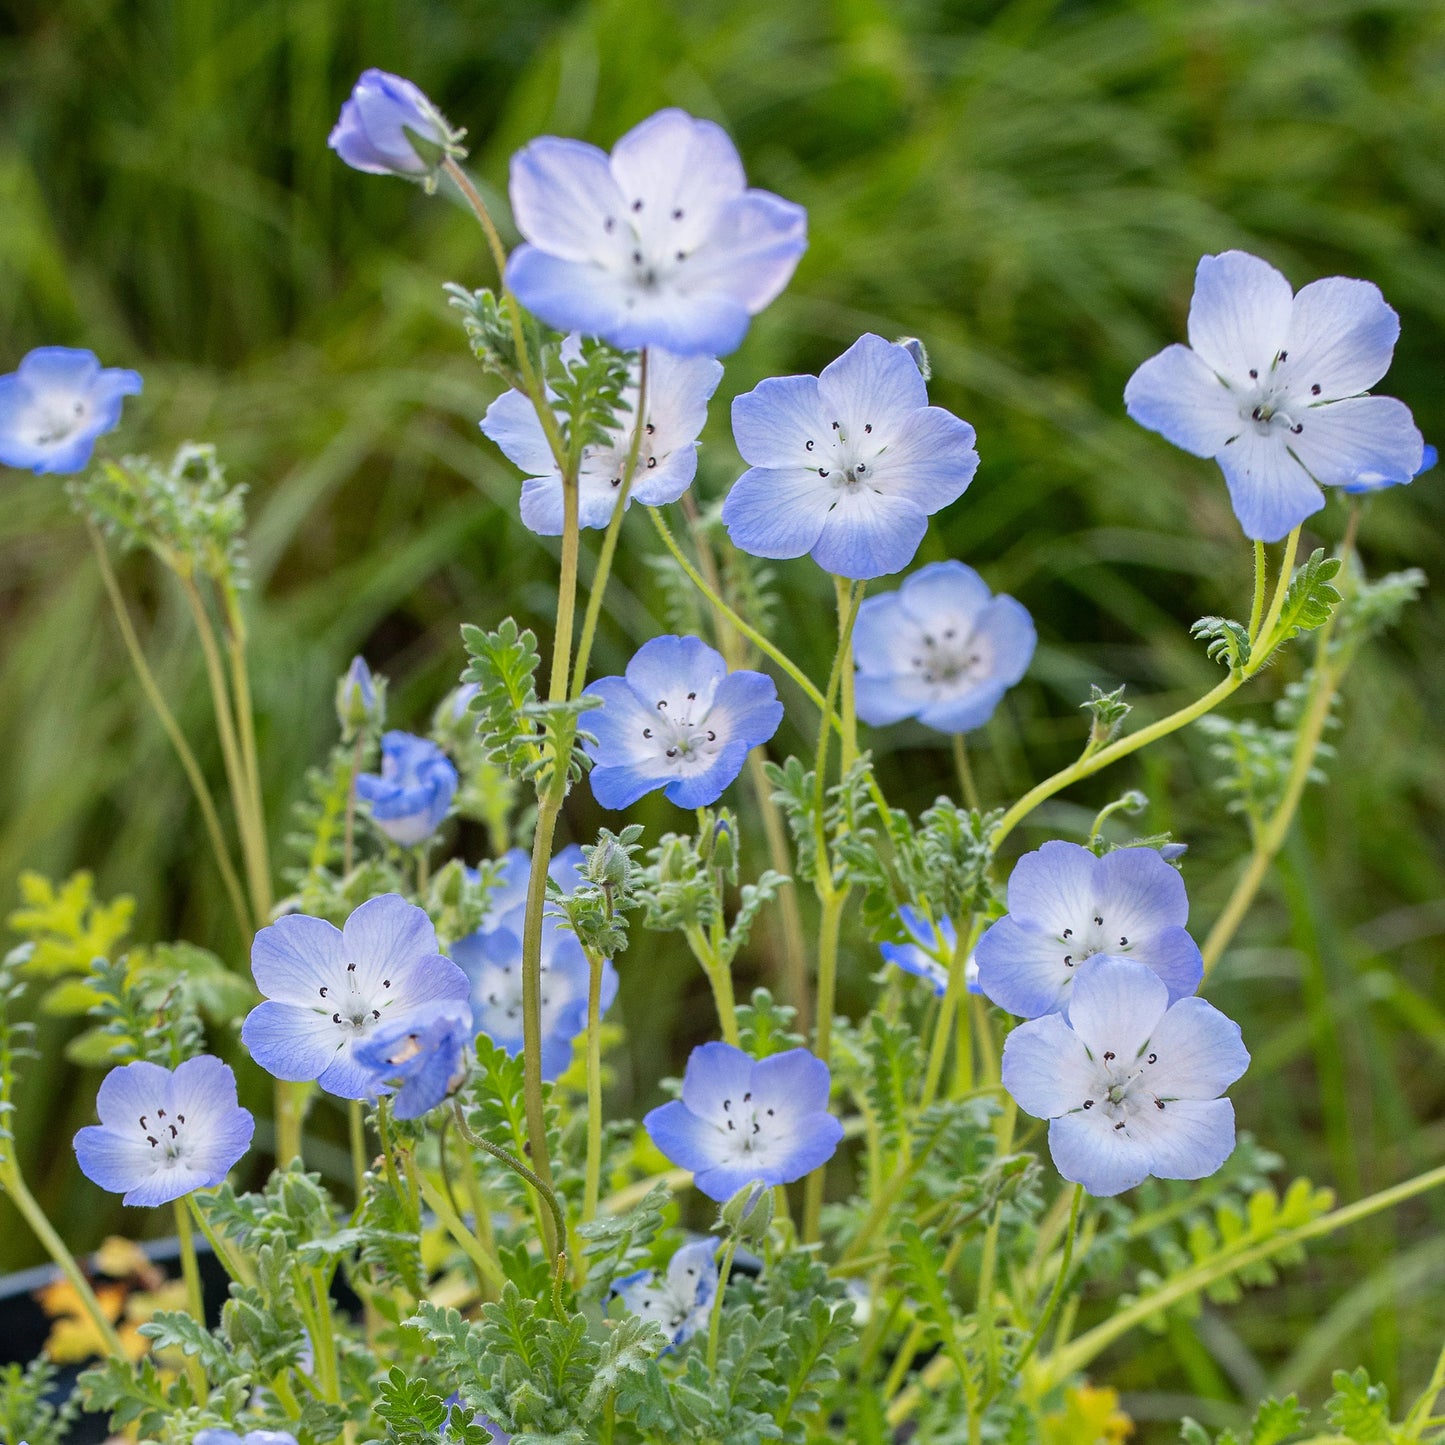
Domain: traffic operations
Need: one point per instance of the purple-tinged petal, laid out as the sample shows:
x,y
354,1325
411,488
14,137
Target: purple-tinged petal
x,y
1178,395
1240,315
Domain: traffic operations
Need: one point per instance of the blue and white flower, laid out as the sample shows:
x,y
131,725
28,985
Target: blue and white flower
x,y
678,391
660,244
1129,1082
55,406
1066,905
742,1119
492,961
508,895
418,1057
1272,386
329,989
929,951
848,465
411,796
679,721
164,1132
941,648
389,128
1378,481
681,1299
251,1437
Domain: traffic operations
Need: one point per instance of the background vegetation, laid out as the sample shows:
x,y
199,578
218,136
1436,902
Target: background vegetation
x,y
1027,186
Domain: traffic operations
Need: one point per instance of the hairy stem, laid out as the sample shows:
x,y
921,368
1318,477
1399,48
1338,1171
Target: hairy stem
x,y
593,1178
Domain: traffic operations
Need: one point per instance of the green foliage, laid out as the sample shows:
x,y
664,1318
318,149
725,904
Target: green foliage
x,y
28,1411
66,927
765,1025
588,389
1274,1422
1225,641
1107,711
1359,1409
1309,599
504,665
490,335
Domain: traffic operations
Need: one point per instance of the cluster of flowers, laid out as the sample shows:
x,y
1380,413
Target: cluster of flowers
x,y
661,247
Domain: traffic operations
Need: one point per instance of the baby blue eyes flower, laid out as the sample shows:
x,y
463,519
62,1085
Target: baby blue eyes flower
x,y
328,990
418,1057
660,244
1272,387
1130,1083
55,406
492,961
416,786
389,128
164,1133
678,391
251,1437
848,465
941,648
1378,481
1066,905
742,1119
679,1301
929,951
679,721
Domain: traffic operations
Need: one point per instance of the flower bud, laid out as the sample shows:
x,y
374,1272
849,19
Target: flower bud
x,y
748,1215
389,128
724,851
916,349
358,700
608,865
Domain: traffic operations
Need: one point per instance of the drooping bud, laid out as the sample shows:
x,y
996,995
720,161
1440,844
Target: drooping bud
x,y
916,349
359,699
388,127
748,1215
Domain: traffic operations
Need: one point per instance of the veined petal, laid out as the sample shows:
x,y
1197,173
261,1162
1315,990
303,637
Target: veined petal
x,y
779,513
113,1160
874,383
618,723
884,698
1088,1150
1188,1138
751,253
1270,491
129,1091
1200,1052
1240,316
941,595
511,422
572,295
1021,968
1178,395
746,708
1046,1067
965,710
796,1081
1056,887
930,460
773,423
1342,335
868,534
716,1072
686,1139
296,956
1116,1005
682,170
563,195
704,787
674,669
1362,434
388,936
1140,893
290,1042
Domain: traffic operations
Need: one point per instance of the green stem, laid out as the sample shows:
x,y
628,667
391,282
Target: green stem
x,y
832,917
957,988
246,728
593,1185
965,773
172,729
195,1299
236,1265
714,1322
452,1222
1419,1415
1057,1293
357,1129
988,1265
14,1185
849,597
1256,611
609,541
720,980
481,1211
348,835
1091,763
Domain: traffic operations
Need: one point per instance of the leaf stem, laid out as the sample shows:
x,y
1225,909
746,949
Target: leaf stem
x,y
965,773
593,1177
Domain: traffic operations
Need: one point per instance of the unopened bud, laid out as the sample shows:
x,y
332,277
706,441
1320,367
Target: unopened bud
x,y
916,349
748,1215
608,865
358,699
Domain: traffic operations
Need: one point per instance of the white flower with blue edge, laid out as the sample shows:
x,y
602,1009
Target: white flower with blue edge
x,y
942,649
1273,387
1066,905
1129,1082
661,243
678,391
1378,481
388,127
848,465
55,406
742,1119
929,951
680,1299
411,795
678,720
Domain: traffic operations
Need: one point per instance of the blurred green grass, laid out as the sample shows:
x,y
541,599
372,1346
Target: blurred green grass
x,y
1027,186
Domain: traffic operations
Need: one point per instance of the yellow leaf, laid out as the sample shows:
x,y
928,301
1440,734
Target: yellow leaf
x,y
1091,1416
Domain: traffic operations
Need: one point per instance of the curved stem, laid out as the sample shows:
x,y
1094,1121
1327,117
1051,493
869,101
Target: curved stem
x,y
1057,1293
609,541
714,1322
441,1206
593,1177
172,729
965,773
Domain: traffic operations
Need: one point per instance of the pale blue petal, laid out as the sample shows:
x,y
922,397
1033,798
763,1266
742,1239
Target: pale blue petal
x,y
796,1081
1187,1139
751,253
778,512
511,422
113,1160
773,423
616,724
671,666
966,710
715,1072
1200,1052
1046,1067
1174,956
1177,395
620,787
1055,887
746,708
868,534
704,787
1240,315
674,162
1369,434
1088,1150
59,368
685,1138
290,1042
943,595
1271,493
1342,336
1021,968
1116,1005
1139,893
930,459
1008,629
875,636
884,699
563,195
131,1090
874,383
387,937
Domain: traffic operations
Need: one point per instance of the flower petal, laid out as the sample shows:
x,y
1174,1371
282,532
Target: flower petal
x,y
1088,1150
931,459
563,194
511,422
1187,1139
688,1140
295,957
1271,493
1240,315
1116,1006
874,383
670,668
969,708
704,787
715,1072
674,163
746,708
131,1090
1021,968
777,513
1046,1067
290,1042
1178,395
387,937
1362,434
795,1082
1055,887
1139,893
869,534
1200,1052
111,1159
751,253
1342,336
943,595
773,423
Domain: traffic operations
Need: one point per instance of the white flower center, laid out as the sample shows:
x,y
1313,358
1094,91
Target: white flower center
x,y
54,418
166,1134
952,659
670,1302
846,463
352,1011
651,245
503,998
1273,402
605,466
680,734
748,1130
1094,936
1122,1090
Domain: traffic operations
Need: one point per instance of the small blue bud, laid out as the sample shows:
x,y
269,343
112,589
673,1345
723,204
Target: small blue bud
x,y
389,128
